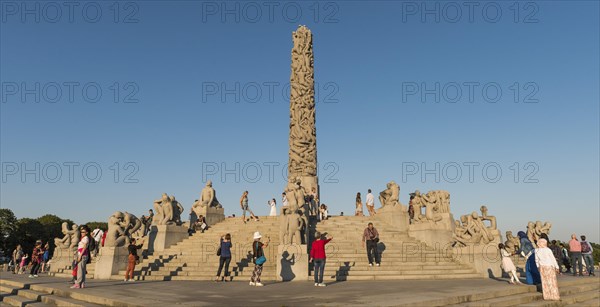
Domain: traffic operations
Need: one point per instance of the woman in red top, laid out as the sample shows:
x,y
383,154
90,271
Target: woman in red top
x,y
317,253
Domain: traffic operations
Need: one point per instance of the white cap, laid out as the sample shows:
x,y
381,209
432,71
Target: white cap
x,y
257,235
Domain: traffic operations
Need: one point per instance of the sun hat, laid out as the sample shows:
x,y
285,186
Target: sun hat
x,y
257,235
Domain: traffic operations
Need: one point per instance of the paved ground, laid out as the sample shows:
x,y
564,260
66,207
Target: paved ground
x,y
238,293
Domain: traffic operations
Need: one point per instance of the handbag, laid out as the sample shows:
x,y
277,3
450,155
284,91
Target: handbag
x,y
219,251
260,260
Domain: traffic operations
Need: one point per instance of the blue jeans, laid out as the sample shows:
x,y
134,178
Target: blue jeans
x,y
319,265
589,263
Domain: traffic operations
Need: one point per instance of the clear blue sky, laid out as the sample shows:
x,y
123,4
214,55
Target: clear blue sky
x,y
372,62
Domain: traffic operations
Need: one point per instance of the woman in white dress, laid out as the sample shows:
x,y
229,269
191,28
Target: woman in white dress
x,y
508,266
273,204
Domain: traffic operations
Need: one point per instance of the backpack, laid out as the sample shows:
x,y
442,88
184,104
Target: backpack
x,y
585,247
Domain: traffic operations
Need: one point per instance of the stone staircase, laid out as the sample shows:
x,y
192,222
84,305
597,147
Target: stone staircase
x,y
66,271
21,294
578,291
402,257
195,257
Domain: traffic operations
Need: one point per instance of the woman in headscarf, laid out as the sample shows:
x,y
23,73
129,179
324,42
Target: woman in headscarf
x,y
526,250
546,263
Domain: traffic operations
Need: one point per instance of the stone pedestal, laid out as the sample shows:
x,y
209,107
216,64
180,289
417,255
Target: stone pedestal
x,y
110,261
292,262
434,233
213,215
162,236
395,216
61,259
484,258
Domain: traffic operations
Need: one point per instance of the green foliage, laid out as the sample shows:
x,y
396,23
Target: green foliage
x,y
596,252
8,227
94,225
26,231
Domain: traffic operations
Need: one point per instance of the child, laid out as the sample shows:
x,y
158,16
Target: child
x,y
323,212
22,267
508,265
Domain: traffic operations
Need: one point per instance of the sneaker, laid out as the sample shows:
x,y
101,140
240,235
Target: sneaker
x,y
259,284
316,284
322,285
252,284
30,276
379,264
75,286
35,275
370,264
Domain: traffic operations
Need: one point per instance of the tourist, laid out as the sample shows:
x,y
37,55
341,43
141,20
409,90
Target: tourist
x,y
97,235
17,256
45,257
132,259
566,260
273,205
508,266
532,275
224,257
576,258
244,206
546,263
557,252
411,209
193,222
24,260
370,203
83,254
36,259
202,223
371,238
342,213
149,220
258,256
318,257
104,238
284,200
359,208
323,213
313,202
586,252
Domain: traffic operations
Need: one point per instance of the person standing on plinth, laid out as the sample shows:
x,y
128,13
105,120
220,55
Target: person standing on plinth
x,y
370,237
359,209
370,203
244,206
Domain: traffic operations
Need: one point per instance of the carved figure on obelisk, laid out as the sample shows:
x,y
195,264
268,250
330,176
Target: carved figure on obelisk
x,y
303,135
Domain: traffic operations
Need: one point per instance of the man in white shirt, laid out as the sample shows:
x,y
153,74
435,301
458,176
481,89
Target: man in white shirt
x,y
370,203
97,235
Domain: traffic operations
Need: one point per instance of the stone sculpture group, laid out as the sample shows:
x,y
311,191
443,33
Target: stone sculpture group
x,y
121,227
71,238
435,203
167,211
471,229
293,217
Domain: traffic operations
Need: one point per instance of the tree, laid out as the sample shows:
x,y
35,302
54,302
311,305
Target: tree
x,y
94,225
8,228
52,228
29,231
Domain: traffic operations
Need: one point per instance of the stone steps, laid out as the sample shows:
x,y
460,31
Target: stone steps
x,y
18,294
573,292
